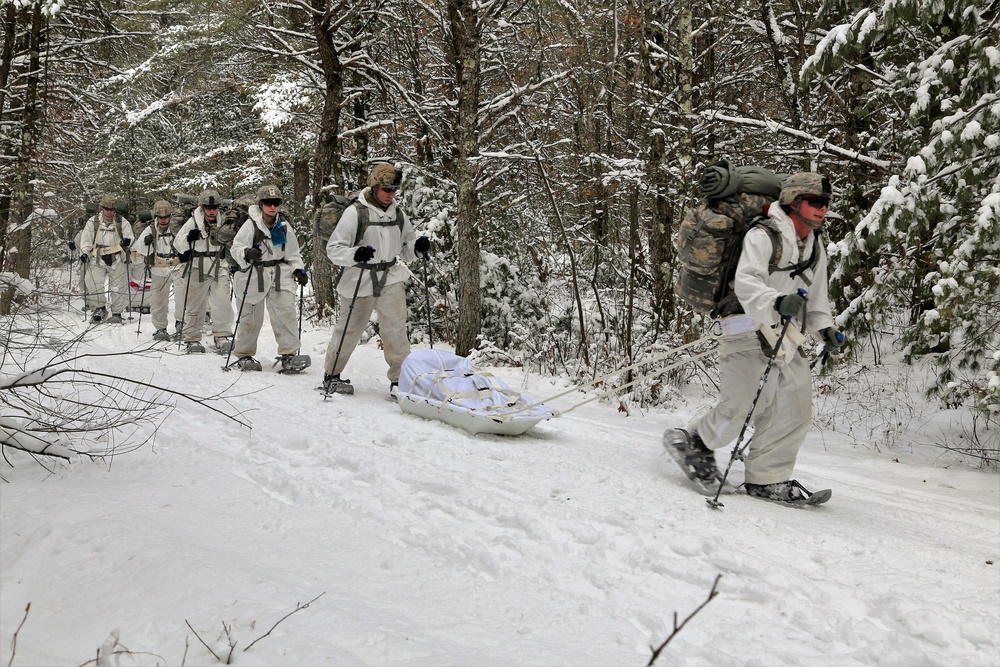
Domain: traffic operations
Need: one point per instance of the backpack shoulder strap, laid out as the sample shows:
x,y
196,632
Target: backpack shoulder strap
x,y
363,220
767,224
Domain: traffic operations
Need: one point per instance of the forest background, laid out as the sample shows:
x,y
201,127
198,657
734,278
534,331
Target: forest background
x,y
550,149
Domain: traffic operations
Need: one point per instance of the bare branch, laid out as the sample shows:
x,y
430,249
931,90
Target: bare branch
x,y
677,628
297,608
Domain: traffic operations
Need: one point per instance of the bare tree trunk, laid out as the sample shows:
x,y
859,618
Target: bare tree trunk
x,y
19,239
327,145
466,53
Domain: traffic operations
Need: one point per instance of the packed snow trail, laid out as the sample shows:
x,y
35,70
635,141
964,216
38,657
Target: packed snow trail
x,y
572,544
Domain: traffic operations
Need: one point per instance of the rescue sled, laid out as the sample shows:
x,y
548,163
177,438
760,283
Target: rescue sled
x,y
435,384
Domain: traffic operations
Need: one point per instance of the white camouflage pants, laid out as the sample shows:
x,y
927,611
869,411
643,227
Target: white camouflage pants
x,y
160,282
117,290
781,419
280,306
210,295
391,310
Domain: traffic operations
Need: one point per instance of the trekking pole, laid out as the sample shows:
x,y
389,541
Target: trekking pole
x,y
128,281
347,321
187,292
86,293
302,298
740,445
70,247
427,301
239,313
142,300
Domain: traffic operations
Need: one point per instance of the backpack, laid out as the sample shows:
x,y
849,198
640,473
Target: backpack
x,y
232,216
326,218
184,206
710,238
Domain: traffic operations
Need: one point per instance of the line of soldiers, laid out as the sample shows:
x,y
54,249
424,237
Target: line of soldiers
x,y
215,260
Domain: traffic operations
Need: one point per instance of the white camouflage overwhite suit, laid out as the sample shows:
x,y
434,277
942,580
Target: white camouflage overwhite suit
x,y
102,243
267,283
206,281
165,271
389,243
784,411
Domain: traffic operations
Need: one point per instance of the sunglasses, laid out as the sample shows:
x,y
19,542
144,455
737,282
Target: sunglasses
x,y
210,206
270,202
388,188
817,202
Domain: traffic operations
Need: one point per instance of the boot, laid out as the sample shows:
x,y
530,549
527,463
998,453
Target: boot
x,y
248,364
161,334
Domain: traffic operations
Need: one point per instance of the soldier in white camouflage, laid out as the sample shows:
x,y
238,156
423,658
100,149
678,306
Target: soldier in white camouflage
x,y
794,291
156,243
208,285
104,243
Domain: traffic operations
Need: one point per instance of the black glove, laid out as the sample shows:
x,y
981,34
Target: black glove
x,y
364,254
300,275
789,305
252,255
71,245
148,240
184,256
84,257
126,243
194,235
833,338
422,245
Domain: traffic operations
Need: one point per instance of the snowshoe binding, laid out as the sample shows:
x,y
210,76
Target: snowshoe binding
x,y
293,363
394,391
788,493
161,334
696,460
195,347
334,384
115,319
248,364
99,315
223,344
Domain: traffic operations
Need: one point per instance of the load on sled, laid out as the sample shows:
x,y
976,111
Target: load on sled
x,y
435,384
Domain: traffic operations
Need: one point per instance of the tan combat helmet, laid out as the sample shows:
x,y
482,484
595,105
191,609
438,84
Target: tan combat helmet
x,y
269,192
162,209
386,176
109,202
804,183
210,198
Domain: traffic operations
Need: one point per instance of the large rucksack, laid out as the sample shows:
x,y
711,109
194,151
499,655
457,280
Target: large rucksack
x,y
326,218
710,240
184,206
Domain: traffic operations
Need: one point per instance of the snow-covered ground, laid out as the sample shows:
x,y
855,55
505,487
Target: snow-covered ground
x,y
415,543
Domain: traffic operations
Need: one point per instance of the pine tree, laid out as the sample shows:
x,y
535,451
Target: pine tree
x,y
929,248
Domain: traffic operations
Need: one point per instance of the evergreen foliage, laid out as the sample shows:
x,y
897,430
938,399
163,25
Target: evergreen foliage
x,y
928,250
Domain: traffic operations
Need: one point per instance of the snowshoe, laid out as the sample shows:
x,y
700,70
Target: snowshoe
x,y
333,384
696,460
161,334
223,344
99,315
115,319
248,364
195,347
788,493
293,363
393,391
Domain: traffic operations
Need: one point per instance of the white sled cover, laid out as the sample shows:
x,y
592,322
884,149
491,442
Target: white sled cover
x,y
440,385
